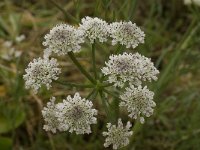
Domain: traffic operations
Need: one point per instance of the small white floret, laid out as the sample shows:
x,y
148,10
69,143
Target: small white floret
x,y
138,101
118,136
77,114
94,28
126,33
64,38
41,72
129,68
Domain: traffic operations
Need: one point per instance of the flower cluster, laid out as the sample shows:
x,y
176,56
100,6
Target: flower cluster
x,y
117,135
63,39
126,33
94,28
131,71
41,72
126,71
139,102
131,68
77,114
9,51
73,114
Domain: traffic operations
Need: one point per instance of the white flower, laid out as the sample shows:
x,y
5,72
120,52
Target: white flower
x,y
41,72
117,135
94,28
138,101
8,44
129,68
64,38
77,114
189,2
126,33
49,114
20,38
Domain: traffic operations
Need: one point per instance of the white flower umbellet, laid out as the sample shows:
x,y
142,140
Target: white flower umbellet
x,y
131,68
94,28
41,72
138,101
118,136
126,33
73,114
77,114
64,38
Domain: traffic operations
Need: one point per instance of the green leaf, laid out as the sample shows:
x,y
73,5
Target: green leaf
x,y
11,117
5,143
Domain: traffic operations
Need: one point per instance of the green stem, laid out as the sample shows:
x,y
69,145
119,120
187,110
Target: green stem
x,y
110,93
65,13
82,70
94,60
74,84
132,9
119,49
136,129
105,104
91,94
107,85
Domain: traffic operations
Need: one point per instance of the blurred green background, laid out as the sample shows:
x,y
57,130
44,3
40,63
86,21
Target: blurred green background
x,y
172,41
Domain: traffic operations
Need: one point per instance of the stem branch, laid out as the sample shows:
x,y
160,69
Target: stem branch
x,y
74,84
82,70
94,60
104,104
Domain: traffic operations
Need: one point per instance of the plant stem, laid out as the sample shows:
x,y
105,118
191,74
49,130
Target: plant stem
x,y
91,94
136,128
94,60
81,69
65,13
74,84
107,85
119,49
104,104
132,9
110,93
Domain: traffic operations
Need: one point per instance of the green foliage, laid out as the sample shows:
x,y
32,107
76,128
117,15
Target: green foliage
x,y
11,117
5,143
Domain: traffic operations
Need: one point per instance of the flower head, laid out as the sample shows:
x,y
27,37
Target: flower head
x,y
41,72
77,114
94,28
126,33
64,38
131,68
117,135
50,116
138,101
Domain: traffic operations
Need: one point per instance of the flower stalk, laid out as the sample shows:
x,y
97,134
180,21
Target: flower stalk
x,y
81,69
94,60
